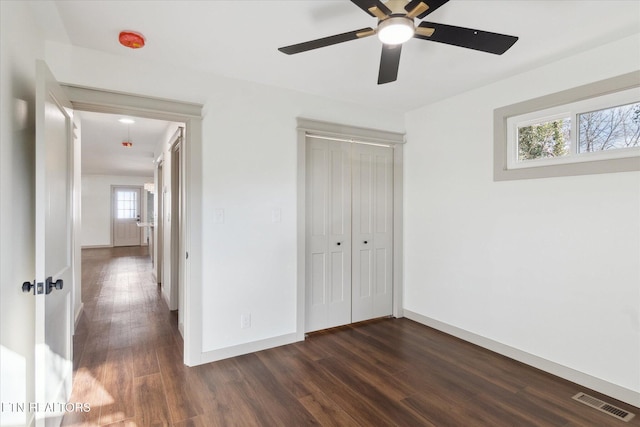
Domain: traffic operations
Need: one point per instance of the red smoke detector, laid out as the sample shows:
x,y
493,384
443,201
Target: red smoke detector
x,y
131,39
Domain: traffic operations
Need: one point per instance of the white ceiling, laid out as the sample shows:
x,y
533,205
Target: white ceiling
x,y
102,151
239,39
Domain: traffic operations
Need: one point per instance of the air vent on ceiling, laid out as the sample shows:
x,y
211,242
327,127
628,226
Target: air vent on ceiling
x,y
598,404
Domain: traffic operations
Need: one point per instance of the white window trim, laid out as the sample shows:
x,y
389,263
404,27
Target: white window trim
x,y
561,100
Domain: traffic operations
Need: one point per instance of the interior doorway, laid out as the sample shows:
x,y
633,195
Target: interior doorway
x,y
86,99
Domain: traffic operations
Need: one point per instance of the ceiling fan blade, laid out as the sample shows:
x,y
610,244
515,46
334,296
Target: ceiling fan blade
x,y
389,63
467,37
373,7
416,8
327,41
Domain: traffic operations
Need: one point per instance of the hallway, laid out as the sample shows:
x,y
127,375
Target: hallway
x,y
125,335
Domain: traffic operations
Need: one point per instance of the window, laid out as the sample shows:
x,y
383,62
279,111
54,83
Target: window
x,y
603,127
544,140
609,129
126,204
589,129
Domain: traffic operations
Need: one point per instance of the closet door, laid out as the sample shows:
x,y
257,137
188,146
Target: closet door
x,y
372,232
328,219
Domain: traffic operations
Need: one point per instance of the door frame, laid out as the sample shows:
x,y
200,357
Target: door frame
x,y
158,231
140,189
105,101
177,218
341,132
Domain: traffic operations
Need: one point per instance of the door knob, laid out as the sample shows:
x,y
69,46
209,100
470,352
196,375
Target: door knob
x,y
339,243
365,242
50,284
27,286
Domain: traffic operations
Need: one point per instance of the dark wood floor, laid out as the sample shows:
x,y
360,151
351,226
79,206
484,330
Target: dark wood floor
x,y
392,372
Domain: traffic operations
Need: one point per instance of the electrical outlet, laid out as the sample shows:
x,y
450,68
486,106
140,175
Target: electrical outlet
x,y
245,320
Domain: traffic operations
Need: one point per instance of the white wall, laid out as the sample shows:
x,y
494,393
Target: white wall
x,y
96,206
249,168
550,267
17,137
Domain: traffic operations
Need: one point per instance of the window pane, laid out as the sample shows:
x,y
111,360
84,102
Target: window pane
x,y
544,140
609,129
126,206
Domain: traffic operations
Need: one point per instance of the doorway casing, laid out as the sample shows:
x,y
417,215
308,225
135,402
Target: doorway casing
x,y
103,101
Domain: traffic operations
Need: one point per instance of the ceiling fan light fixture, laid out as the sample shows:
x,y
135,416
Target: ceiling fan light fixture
x,y
395,30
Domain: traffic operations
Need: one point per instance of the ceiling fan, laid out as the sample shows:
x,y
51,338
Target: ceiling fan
x,y
396,25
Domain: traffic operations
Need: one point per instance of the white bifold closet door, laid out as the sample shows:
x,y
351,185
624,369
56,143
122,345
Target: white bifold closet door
x,y
349,216
372,231
328,217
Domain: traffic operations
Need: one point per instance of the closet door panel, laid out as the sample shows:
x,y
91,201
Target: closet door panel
x,y
383,233
372,231
328,252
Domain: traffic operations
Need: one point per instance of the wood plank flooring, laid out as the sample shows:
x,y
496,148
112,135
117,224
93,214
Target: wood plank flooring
x,y
391,372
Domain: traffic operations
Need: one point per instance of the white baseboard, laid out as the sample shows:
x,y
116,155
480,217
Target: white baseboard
x,y
165,297
617,392
246,348
78,314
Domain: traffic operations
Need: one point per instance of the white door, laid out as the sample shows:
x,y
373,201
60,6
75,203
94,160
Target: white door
x,y
349,217
53,252
328,219
372,225
126,215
